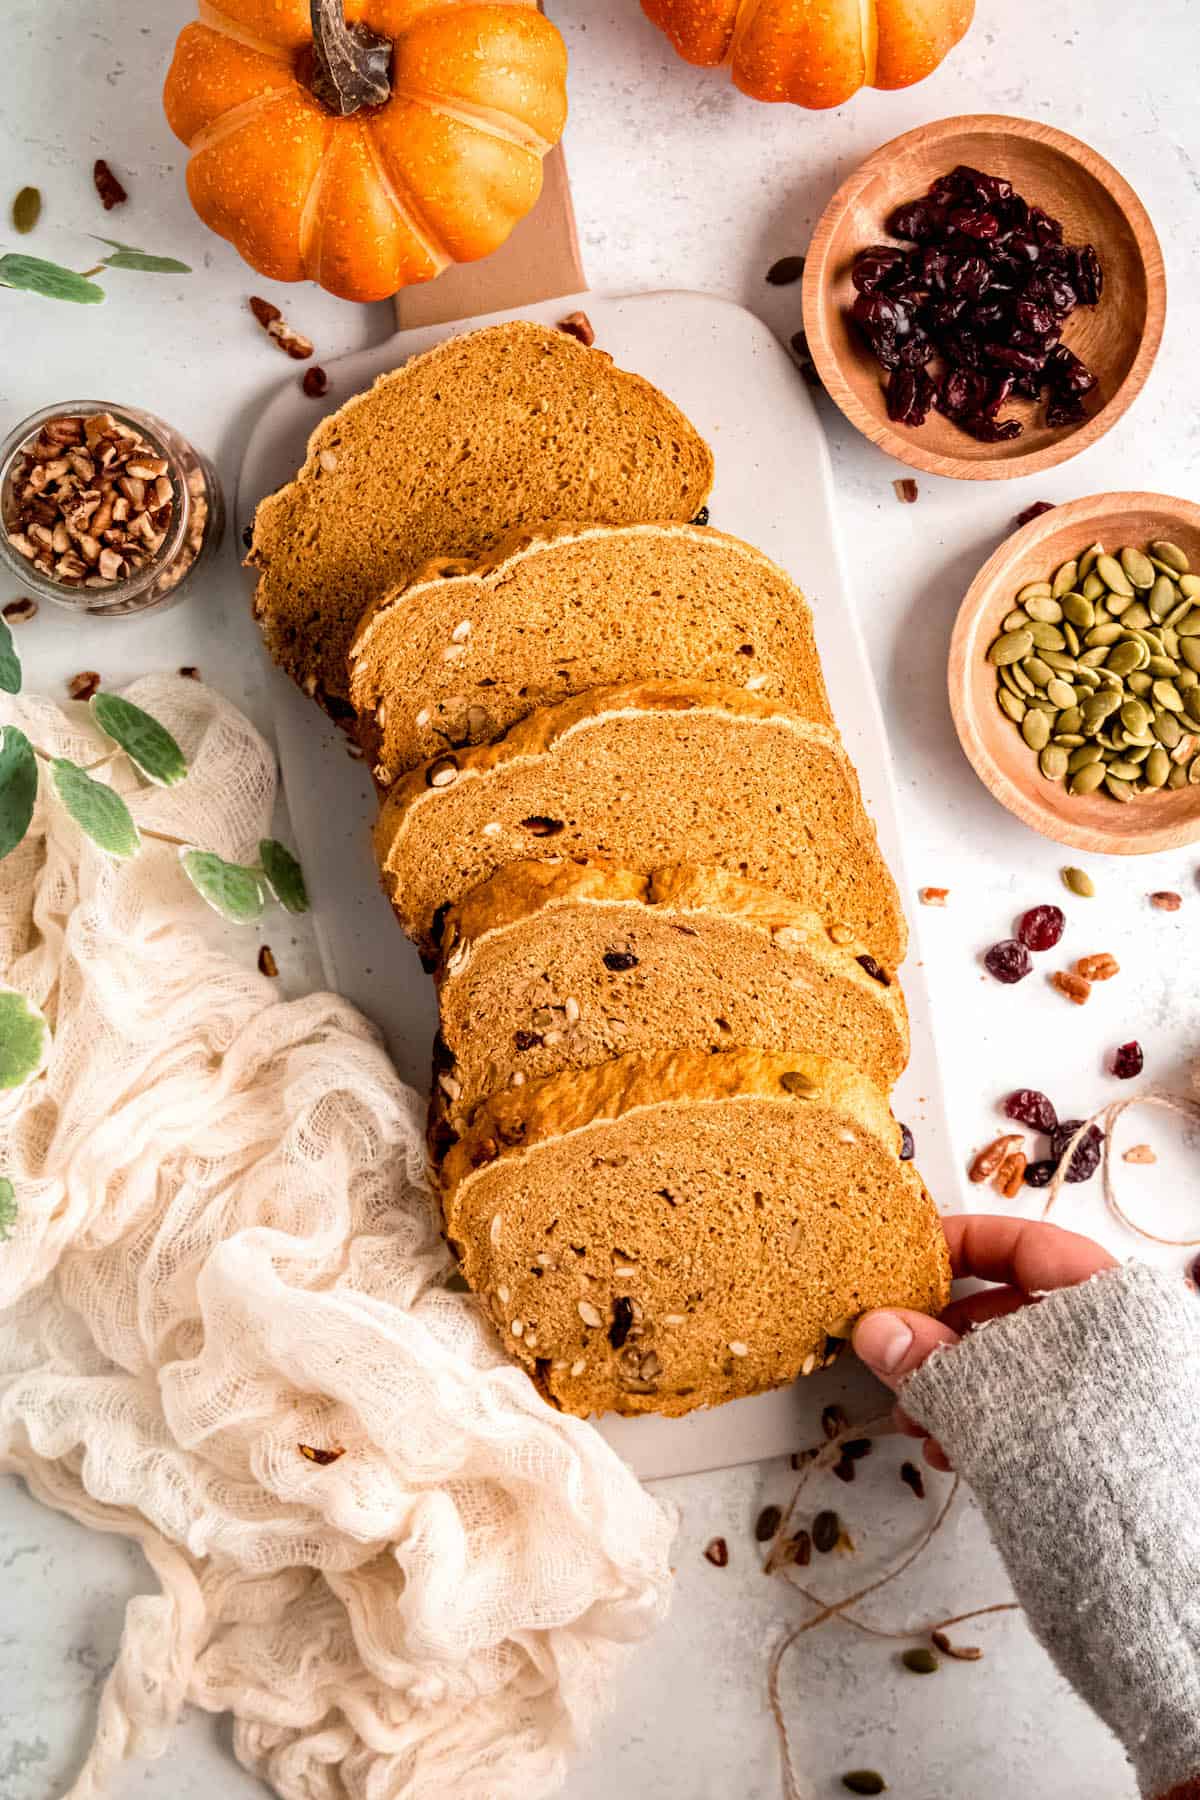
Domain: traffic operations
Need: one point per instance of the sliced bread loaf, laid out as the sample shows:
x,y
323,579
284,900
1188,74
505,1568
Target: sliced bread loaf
x,y
512,425
642,775
551,966
456,658
662,1233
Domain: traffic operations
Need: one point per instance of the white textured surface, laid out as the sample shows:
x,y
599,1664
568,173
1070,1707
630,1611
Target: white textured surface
x,y
679,182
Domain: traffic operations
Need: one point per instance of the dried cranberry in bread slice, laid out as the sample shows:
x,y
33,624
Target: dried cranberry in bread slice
x,y
458,657
661,1233
514,425
550,966
642,775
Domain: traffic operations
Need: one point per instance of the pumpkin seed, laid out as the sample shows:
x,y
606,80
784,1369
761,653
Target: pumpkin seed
x,y
1034,590
1015,620
1138,755
1140,683
26,210
1120,766
1087,561
1116,604
1112,575
1161,666
1138,568
1039,672
1191,705
1135,617
1194,772
1169,640
1095,658
1072,637
1186,678
1158,767
1087,780
1088,679
1167,695
1187,626
1100,706
1178,612
1135,717
1106,633
921,1662
1092,588
1053,762
1012,705
1058,659
1035,729
1070,720
1189,585
1083,757
1044,608
1061,692
1064,579
1171,554
1163,596
1070,740
1167,728
1124,658
1011,646
1020,680
1048,637
1118,789
1078,611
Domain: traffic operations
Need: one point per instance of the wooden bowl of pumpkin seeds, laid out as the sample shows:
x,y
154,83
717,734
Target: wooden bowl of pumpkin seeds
x,y
1075,673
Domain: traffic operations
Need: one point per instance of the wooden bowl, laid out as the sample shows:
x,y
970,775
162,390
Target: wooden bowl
x,y
997,751
1118,339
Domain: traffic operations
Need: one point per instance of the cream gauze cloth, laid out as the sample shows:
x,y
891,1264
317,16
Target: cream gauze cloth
x,y
226,1248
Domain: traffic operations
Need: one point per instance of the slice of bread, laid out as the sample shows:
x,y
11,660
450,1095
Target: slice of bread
x,y
668,1232
642,775
457,658
509,426
551,966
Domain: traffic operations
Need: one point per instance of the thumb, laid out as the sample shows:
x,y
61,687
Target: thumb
x,y
893,1344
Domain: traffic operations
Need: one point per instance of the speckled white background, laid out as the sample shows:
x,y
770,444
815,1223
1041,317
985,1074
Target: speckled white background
x,y
678,182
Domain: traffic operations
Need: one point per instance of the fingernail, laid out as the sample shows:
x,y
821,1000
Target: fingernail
x,y
883,1340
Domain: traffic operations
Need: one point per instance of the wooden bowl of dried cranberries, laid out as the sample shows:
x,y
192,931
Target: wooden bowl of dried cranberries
x,y
984,297
1075,673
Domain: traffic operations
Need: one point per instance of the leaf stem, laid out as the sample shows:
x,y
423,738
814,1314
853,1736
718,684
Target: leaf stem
x,y
165,837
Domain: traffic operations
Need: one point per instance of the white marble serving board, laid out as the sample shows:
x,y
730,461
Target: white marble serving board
x,y
773,487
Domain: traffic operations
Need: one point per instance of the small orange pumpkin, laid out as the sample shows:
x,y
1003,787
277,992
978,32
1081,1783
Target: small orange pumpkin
x,y
366,144
814,52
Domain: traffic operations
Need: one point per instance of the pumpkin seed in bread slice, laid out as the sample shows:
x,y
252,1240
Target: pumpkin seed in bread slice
x,y
514,425
641,775
551,966
457,658
661,1233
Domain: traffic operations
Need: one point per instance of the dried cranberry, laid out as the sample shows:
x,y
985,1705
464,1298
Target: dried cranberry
x,y
1129,1060
992,431
1193,1274
1039,1174
1087,275
622,1322
1033,512
907,1148
1086,1159
618,961
910,394
1068,411
973,223
874,971
915,221
1008,961
1041,927
877,267
1031,1108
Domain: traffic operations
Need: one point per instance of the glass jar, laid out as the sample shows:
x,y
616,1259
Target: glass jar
x,y
170,533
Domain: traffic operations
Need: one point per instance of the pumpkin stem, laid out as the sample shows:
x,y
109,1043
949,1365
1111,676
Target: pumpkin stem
x,y
352,65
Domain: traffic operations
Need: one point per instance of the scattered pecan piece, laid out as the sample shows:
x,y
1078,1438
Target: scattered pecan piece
x,y
1139,1153
107,186
1076,987
578,325
264,311
717,1552
19,612
83,685
1166,901
1101,967
992,1155
315,382
905,490
1011,1175
931,896
266,961
190,672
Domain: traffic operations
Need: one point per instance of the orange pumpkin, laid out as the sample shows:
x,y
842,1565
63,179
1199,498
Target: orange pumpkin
x,y
366,144
814,52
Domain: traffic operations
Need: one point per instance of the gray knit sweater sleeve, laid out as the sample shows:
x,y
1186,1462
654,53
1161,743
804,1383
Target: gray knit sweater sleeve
x,y
1077,1423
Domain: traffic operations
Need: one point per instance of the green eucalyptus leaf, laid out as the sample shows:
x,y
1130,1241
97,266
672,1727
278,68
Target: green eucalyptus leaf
x,y
24,1039
150,265
144,741
10,662
8,1208
99,813
236,893
51,280
18,787
113,243
285,877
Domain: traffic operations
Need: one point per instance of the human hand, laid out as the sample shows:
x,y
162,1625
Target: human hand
x,y
1025,1258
